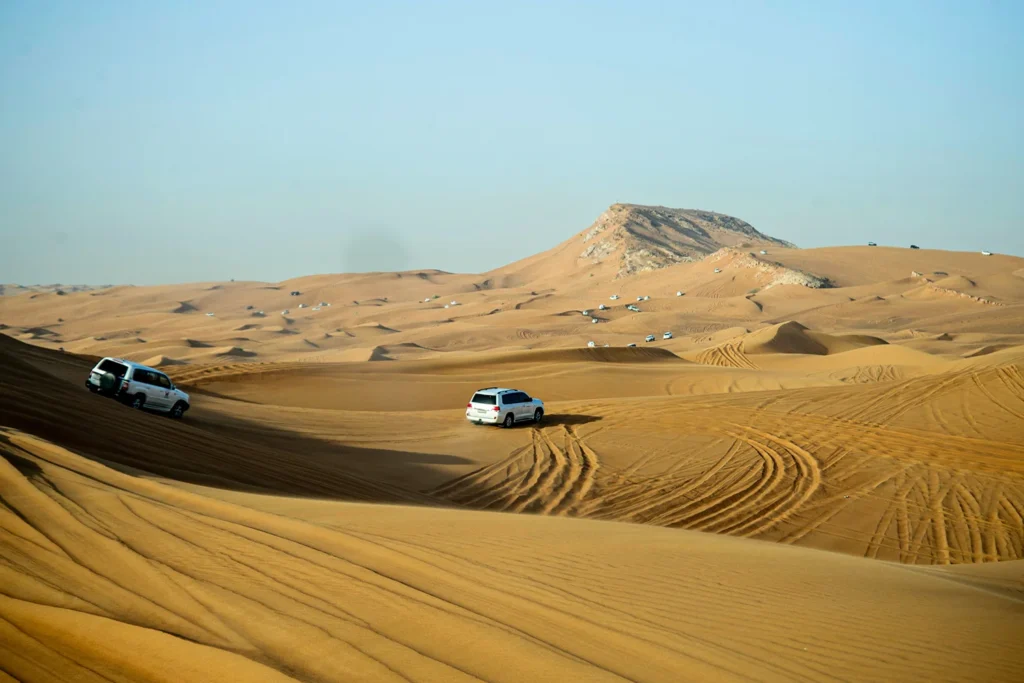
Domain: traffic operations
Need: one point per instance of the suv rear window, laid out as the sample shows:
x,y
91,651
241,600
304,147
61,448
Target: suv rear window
x,y
114,368
486,399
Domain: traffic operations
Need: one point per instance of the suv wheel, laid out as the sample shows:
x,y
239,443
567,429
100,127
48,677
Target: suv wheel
x,y
538,415
509,421
138,401
178,410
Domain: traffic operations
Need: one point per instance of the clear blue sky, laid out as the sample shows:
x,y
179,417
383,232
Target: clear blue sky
x,y
152,142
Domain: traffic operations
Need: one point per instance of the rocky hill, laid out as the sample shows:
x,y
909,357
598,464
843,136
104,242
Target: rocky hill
x,y
642,238
630,238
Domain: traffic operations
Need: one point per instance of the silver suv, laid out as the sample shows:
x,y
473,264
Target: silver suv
x,y
495,405
137,385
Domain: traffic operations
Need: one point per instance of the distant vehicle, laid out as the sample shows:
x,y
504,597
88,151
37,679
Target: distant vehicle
x,y
986,253
872,244
209,315
602,307
632,307
614,297
593,320
296,293
285,312
591,344
302,305
607,345
679,293
138,385
914,246
631,345
649,338
495,405
454,303
249,308
446,305
667,335
763,252
427,300
647,298
718,270
586,312
639,298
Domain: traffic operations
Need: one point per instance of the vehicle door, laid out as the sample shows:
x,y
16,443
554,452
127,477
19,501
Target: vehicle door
x,y
528,408
144,381
165,389
508,405
522,406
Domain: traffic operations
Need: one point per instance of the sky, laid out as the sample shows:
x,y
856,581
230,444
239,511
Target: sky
x,y
146,143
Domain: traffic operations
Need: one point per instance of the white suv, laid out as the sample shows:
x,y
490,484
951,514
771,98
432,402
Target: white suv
x,y
495,405
138,385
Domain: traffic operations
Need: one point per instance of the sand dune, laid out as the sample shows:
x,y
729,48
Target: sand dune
x,y
819,475
305,590
184,307
231,351
162,361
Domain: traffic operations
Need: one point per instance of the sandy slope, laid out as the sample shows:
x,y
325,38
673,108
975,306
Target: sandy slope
x,y
157,583
325,512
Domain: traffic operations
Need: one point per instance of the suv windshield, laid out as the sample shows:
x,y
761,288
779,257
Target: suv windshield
x,y
114,368
486,399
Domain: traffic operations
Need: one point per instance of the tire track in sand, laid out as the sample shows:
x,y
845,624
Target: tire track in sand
x,y
541,477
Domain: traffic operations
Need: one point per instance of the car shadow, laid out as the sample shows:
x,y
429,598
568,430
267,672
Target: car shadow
x,y
567,419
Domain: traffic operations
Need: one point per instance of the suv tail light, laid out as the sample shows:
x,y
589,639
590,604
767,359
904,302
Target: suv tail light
x,y
495,409
469,405
124,385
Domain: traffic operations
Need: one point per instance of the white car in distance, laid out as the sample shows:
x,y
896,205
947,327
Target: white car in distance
x,y
667,335
496,405
649,338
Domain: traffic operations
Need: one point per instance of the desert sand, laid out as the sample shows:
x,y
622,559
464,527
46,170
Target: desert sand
x,y
819,476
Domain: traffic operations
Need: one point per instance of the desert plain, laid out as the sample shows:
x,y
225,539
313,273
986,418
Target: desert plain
x,y
819,476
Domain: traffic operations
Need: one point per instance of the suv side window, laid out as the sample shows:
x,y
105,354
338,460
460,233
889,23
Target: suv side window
x,y
524,397
508,399
143,376
514,397
163,381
